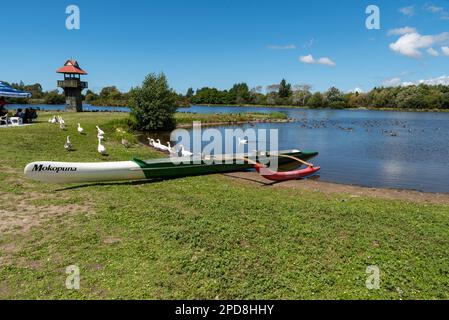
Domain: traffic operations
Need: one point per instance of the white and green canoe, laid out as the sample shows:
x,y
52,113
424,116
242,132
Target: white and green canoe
x,y
84,172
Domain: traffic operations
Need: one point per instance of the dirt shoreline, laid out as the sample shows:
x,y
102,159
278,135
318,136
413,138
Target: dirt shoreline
x,y
350,190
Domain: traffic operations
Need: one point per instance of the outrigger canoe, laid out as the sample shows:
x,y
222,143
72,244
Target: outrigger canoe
x,y
78,172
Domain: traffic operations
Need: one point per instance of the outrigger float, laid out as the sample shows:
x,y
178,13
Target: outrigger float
x,y
78,172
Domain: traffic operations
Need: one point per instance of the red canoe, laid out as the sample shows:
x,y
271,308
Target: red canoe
x,y
288,175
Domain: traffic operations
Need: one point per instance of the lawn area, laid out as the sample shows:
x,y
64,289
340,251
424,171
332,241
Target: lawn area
x,y
210,237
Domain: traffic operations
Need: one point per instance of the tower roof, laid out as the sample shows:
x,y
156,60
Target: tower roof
x,y
71,67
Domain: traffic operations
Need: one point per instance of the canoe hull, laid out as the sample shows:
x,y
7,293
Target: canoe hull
x,y
74,172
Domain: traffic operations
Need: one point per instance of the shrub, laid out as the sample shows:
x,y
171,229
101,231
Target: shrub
x,y
154,104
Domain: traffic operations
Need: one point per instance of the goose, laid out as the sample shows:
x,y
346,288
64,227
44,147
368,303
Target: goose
x,y
101,148
53,120
50,120
126,143
161,146
243,141
184,152
62,125
100,132
80,130
157,144
68,144
151,142
169,148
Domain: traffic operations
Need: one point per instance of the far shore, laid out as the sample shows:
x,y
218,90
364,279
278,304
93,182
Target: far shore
x,y
259,106
323,108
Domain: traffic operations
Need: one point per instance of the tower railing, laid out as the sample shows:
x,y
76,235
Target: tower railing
x,y
72,83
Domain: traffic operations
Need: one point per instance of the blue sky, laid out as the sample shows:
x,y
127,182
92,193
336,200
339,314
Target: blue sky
x,y
218,43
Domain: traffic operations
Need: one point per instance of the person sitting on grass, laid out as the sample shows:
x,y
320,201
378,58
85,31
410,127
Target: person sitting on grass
x,y
19,114
33,115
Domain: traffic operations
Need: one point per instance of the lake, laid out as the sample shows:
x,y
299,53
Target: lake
x,y
403,150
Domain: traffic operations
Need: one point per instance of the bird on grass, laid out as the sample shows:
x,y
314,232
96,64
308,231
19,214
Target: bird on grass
x,y
62,125
101,148
68,144
100,132
126,143
80,130
161,146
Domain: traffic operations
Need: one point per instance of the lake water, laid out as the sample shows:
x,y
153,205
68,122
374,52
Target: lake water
x,y
404,150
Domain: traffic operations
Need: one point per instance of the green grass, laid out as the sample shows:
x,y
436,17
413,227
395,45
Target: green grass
x,y
203,237
187,118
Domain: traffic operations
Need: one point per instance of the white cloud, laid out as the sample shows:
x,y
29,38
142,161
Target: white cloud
x,y
309,59
408,11
326,61
394,82
445,50
284,47
444,80
441,11
401,31
410,44
434,9
433,52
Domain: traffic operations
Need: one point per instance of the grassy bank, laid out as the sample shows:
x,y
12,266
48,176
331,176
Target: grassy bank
x,y
202,237
188,118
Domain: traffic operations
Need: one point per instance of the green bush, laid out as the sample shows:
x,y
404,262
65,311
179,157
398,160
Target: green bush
x,y
154,104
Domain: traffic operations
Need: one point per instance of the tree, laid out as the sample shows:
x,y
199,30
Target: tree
x,y
239,93
285,89
154,104
190,93
110,93
54,97
301,93
335,98
316,100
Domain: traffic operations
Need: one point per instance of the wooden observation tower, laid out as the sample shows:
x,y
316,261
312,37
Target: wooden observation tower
x,y
72,85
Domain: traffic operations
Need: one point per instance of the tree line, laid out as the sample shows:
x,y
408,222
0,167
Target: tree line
x,y
421,97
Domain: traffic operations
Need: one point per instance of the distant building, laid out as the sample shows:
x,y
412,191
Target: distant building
x,y
72,85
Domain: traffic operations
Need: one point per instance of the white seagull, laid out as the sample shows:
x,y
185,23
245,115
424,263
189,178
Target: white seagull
x,y
243,141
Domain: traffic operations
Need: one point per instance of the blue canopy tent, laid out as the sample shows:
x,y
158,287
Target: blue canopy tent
x,y
9,92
